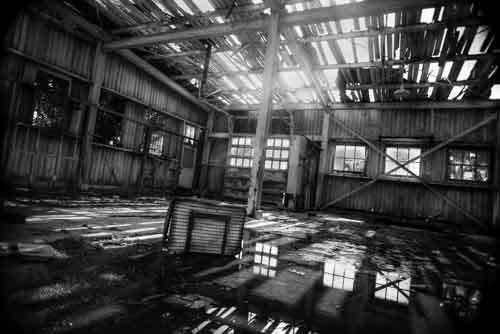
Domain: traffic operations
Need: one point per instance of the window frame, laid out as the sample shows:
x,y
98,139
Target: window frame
x,y
188,139
151,149
346,172
281,148
403,146
243,146
469,149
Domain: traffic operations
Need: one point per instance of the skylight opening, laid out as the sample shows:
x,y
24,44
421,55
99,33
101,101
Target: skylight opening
x,y
318,53
362,24
204,5
162,7
331,76
346,47
325,3
466,70
247,82
427,15
478,41
290,8
224,59
433,72
333,27
446,71
330,58
235,39
229,83
371,94
430,90
299,7
240,99
457,93
334,94
292,80
255,80
390,20
298,30
175,46
438,53
223,100
184,6
495,92
441,12
347,25
406,70
419,73
322,29
219,19
361,44
257,2
342,2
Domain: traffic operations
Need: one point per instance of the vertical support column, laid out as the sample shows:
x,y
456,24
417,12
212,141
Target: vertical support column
x,y
208,54
323,159
89,126
264,116
496,177
207,145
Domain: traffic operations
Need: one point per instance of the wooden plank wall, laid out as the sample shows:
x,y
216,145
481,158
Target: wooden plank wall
x,y
406,198
37,157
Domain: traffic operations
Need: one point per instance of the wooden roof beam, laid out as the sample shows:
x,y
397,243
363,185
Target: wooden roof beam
x,y
316,15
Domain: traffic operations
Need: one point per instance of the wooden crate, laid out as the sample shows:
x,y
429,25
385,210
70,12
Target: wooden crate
x,y
203,226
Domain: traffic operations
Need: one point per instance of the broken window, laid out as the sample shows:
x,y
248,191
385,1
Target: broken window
x,y
156,144
402,155
49,109
338,275
108,127
189,134
350,158
277,152
241,154
468,165
265,259
398,289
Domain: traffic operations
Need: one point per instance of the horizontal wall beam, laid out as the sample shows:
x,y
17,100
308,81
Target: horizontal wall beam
x,y
410,105
316,15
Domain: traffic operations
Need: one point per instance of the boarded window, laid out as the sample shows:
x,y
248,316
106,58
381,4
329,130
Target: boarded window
x,y
350,158
242,151
277,153
156,144
468,165
50,97
402,155
398,292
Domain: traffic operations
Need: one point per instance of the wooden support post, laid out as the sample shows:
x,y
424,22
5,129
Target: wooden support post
x,y
264,116
144,160
323,159
496,176
206,65
205,159
89,127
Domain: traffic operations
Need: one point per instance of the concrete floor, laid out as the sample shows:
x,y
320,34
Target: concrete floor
x,y
95,264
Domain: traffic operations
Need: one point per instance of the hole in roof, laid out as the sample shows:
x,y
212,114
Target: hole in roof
x,y
427,15
184,6
466,69
495,92
457,92
390,20
204,5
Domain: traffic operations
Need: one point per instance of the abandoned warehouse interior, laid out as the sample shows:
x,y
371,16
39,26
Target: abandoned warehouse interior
x,y
234,166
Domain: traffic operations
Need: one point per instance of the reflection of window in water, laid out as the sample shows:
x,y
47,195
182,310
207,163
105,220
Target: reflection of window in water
x,y
265,259
339,275
392,292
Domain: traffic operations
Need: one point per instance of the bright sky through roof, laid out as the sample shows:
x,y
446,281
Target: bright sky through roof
x,y
466,69
495,92
184,7
204,5
427,15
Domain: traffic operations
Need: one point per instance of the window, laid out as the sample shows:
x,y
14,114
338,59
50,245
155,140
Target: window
x,y
350,158
108,127
402,155
277,152
241,154
189,134
156,144
397,292
338,275
468,165
265,259
50,97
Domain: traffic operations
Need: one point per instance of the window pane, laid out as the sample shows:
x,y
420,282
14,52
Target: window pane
x,y
276,154
389,165
234,150
234,141
402,154
246,163
338,165
283,165
349,165
415,168
286,143
339,151
267,164
232,162
359,165
414,152
482,159
239,162
284,154
248,141
248,152
455,172
269,153
277,142
270,142
349,151
482,174
275,165
360,152
391,151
